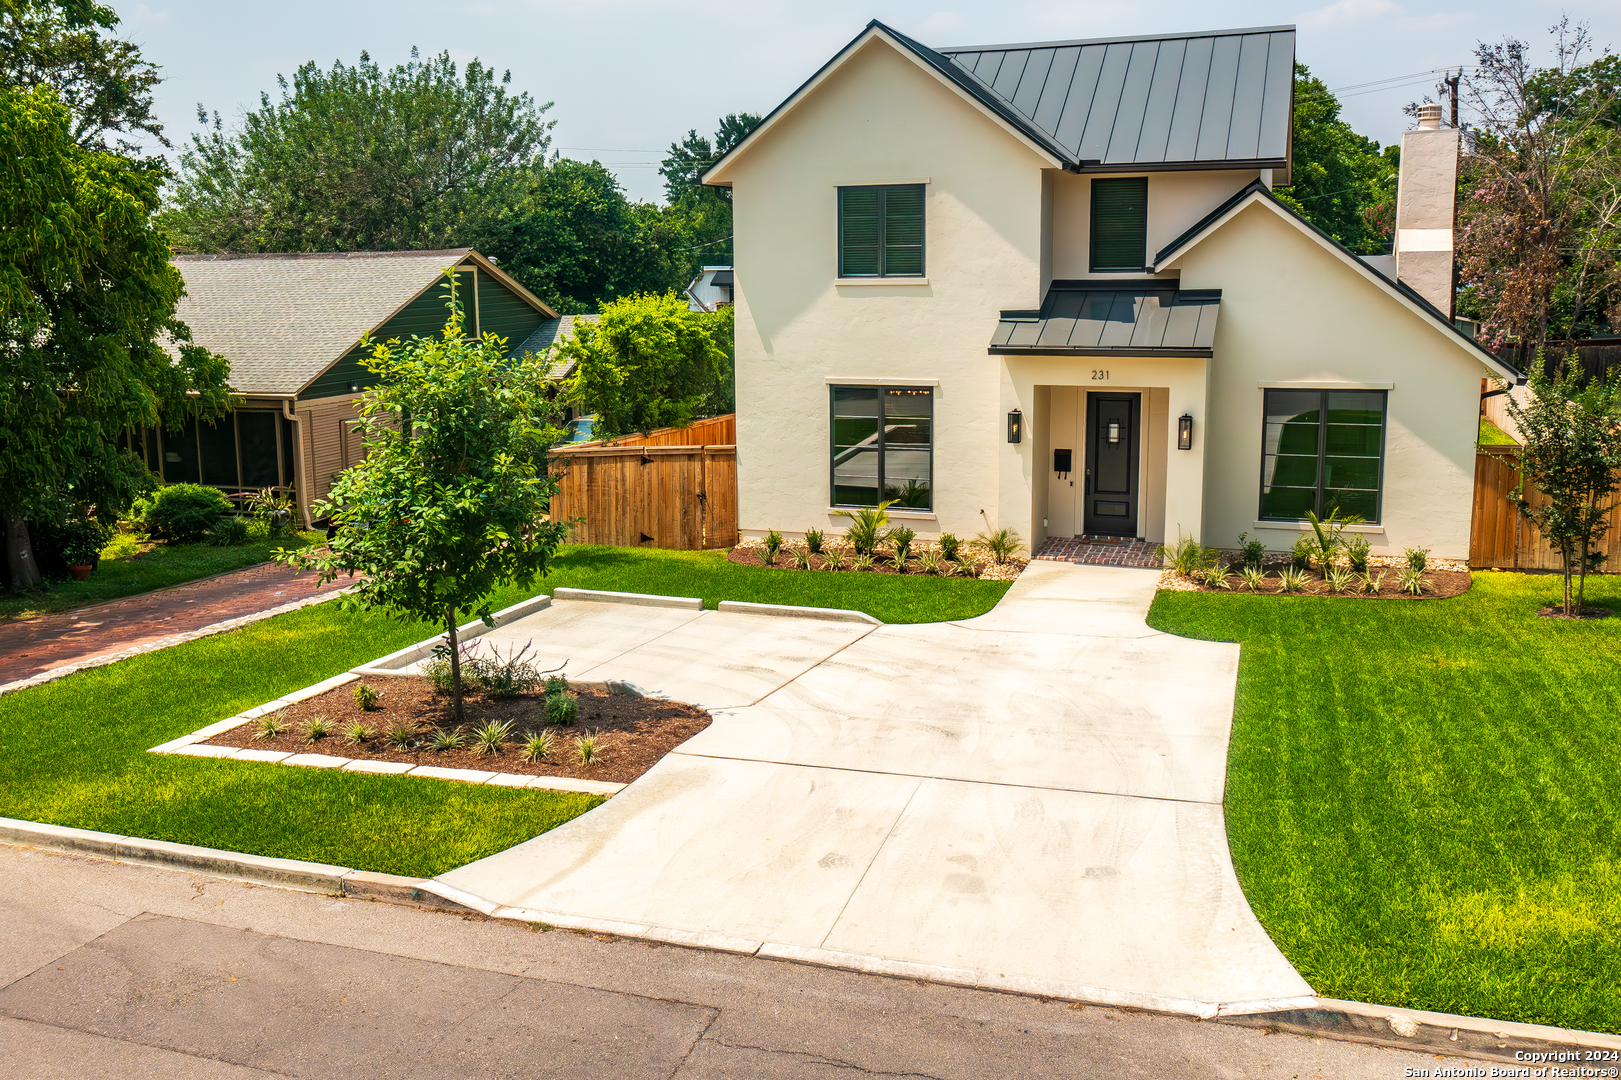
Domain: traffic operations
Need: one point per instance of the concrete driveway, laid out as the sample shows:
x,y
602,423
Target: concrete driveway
x,y
1029,800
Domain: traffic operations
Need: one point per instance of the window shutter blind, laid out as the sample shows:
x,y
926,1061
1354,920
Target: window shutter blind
x,y
903,230
1120,224
859,221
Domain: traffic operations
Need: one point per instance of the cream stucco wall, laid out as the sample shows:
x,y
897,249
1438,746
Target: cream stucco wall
x,y
1176,202
1294,312
878,119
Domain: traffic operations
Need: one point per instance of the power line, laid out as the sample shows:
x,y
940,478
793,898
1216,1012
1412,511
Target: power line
x,y
1376,85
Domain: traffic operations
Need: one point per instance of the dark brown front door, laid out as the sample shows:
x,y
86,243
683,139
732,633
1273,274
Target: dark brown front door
x,y
1112,421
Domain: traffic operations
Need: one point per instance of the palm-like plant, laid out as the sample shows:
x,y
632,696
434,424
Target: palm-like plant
x,y
1002,544
866,529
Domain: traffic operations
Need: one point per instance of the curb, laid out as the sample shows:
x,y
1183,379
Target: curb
x,y
744,607
52,674
602,596
1346,1021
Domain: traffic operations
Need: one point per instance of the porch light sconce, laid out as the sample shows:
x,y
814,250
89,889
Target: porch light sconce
x,y
1015,426
1184,432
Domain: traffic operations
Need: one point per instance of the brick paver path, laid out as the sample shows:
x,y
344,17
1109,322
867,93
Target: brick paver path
x,y
1091,552
31,646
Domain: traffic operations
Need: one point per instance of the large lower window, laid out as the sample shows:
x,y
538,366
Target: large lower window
x,y
883,446
1323,450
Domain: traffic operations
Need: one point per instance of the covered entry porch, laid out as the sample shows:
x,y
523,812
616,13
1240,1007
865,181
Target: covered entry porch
x,y
1114,380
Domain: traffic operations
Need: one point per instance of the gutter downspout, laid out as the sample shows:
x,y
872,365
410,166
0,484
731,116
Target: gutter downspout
x,y
305,491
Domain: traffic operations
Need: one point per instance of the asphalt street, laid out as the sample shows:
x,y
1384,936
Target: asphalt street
x,y
109,969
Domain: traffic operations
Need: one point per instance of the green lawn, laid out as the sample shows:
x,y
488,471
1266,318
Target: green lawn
x,y
130,566
1422,798
73,752
1492,435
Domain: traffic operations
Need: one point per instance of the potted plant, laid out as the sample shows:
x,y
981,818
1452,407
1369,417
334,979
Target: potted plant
x,y
82,540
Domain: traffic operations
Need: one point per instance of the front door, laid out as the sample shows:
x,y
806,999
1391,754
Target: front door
x,y
1112,421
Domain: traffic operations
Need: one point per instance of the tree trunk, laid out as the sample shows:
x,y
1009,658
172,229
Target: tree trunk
x,y
455,664
19,551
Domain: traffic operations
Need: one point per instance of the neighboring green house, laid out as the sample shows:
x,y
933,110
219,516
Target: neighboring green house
x,y
291,327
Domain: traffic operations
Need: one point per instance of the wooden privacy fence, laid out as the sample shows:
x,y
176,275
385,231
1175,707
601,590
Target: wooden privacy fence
x,y
716,431
1500,538
648,496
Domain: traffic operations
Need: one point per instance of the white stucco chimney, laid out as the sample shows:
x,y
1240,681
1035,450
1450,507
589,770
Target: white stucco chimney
x,y
1425,193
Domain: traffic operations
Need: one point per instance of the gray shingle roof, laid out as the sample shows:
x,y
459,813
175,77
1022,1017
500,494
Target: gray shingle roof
x,y
1108,318
283,319
550,334
1218,97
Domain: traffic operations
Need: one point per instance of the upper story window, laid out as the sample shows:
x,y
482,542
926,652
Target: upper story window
x,y
881,231
1119,224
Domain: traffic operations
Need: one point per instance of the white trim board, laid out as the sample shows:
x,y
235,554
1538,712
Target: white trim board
x,y
878,380
1324,384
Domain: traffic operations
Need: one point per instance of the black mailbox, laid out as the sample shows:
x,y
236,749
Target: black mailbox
x,y
1061,461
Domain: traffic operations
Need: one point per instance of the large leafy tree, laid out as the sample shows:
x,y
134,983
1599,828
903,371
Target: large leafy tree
x,y
1342,182
418,156
577,241
706,211
1540,219
87,293
650,362
450,500
103,81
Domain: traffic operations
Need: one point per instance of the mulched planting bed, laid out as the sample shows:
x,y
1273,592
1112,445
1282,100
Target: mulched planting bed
x,y
636,731
966,567
1438,584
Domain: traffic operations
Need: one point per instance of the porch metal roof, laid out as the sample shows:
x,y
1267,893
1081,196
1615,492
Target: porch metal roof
x,y
1112,318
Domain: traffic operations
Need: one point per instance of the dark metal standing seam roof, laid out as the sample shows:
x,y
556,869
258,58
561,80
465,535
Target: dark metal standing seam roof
x,y
1191,100
1112,318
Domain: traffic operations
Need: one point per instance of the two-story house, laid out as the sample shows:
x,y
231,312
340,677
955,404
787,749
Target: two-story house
x,y
1048,287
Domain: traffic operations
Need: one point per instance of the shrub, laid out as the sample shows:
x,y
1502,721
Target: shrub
x,y
1327,535
366,697
1339,579
227,532
562,709
802,558
813,541
80,540
835,558
1410,579
1189,558
1304,551
773,545
1002,544
1356,550
272,513
184,513
1254,550
866,529
317,728
442,739
556,684
948,546
1418,559
588,747
1253,577
536,745
356,733
504,676
1292,579
488,738
861,562
1370,583
271,725
401,736
929,562
436,668
900,540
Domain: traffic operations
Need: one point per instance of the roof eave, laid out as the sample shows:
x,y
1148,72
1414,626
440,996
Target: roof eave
x,y
1096,350
1400,291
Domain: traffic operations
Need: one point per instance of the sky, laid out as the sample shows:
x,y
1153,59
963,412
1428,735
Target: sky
x,y
628,77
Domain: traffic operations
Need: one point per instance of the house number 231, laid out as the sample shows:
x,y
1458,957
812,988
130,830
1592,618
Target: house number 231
x,y
1099,375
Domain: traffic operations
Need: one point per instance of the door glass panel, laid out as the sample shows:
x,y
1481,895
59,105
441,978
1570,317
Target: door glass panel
x,y
180,453
257,434
219,452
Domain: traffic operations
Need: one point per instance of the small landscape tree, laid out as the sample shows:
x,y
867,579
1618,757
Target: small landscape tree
x,y
1571,431
451,497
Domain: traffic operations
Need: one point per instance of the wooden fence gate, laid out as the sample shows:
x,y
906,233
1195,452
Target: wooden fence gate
x,y
1500,538
648,496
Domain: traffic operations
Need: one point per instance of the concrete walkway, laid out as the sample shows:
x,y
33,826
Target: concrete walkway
x,y
1029,800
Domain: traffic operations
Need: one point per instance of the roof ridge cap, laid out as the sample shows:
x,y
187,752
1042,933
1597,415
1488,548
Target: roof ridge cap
x,y
1015,46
